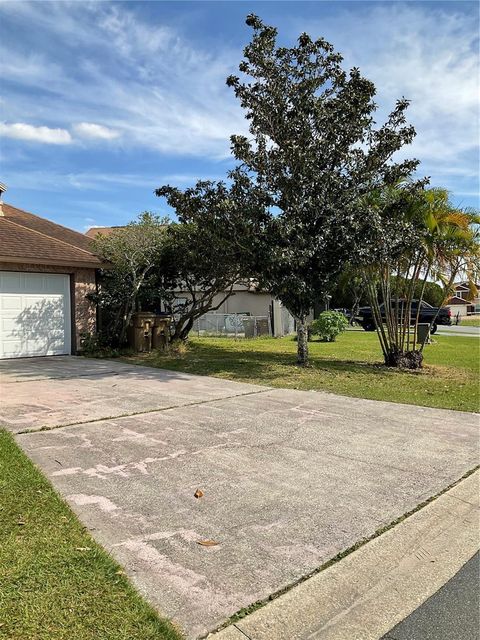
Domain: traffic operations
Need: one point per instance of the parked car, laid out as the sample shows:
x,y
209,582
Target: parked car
x,y
428,314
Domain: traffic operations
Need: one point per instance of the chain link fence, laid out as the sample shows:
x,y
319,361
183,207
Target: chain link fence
x,y
233,325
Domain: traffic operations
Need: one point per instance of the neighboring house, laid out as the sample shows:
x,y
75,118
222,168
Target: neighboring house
x,y
246,299
462,303
249,300
93,232
46,270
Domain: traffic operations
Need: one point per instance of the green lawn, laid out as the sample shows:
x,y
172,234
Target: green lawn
x,y
470,322
56,583
351,366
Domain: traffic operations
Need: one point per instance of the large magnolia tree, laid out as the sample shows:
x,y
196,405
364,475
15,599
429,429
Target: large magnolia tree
x,y
313,150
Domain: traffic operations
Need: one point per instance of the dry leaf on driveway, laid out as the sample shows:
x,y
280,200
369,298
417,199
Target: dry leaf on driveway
x,y
207,543
198,493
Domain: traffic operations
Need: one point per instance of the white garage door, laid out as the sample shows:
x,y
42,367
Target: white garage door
x,y
34,314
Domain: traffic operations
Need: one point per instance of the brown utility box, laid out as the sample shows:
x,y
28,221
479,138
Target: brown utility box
x,y
140,331
161,332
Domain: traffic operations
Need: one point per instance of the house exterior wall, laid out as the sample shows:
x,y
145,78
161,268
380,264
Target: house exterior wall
x,y
461,309
83,281
255,304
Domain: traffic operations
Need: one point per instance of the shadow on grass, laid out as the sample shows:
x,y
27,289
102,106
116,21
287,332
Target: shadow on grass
x,y
251,362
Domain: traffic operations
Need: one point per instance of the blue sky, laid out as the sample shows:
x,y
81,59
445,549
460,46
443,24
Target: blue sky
x,y
100,102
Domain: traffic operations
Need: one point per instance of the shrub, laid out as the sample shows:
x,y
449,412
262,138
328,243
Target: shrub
x,y
95,345
329,325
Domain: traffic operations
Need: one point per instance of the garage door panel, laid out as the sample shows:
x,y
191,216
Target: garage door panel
x,y
13,348
34,318
10,303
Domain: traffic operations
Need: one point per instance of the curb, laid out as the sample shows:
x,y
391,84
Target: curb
x,y
368,592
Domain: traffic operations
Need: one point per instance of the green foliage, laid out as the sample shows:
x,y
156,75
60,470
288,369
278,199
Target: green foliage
x,y
314,150
430,292
350,293
329,325
412,234
97,345
133,254
212,247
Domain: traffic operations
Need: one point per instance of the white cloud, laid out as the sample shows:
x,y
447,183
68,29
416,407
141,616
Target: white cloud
x,y
104,62
44,135
427,54
56,182
136,76
92,130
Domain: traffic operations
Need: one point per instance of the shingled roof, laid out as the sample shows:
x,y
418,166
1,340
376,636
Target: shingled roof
x,y
27,238
93,232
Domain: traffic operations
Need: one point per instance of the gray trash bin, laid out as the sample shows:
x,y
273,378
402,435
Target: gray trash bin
x,y
249,327
423,333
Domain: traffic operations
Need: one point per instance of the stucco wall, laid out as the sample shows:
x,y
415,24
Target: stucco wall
x,y
257,304
461,309
84,312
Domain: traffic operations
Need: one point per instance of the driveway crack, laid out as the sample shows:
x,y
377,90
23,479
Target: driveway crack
x,y
141,413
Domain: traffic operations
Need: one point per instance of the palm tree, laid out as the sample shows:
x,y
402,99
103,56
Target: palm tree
x,y
420,235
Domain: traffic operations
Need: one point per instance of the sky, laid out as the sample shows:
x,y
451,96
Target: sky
x,y
102,102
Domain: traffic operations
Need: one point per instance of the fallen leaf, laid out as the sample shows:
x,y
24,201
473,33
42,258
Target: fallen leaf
x,y
198,493
207,543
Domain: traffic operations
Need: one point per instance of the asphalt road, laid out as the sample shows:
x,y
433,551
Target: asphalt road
x,y
453,613
459,330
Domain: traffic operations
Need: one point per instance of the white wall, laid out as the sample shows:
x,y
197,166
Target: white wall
x,y
255,304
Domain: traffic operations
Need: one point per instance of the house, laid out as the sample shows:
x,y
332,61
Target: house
x,y
247,300
463,303
46,270
93,232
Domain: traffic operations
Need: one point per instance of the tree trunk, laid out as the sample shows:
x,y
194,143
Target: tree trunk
x,y
302,342
403,359
182,329
186,329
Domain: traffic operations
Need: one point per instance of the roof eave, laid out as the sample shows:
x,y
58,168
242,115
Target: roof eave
x,y
54,263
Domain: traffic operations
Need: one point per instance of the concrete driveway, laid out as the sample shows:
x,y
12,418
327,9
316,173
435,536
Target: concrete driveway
x,y
290,478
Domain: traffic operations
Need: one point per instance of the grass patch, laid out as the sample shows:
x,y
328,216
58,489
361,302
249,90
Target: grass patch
x,y
352,366
56,582
470,322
